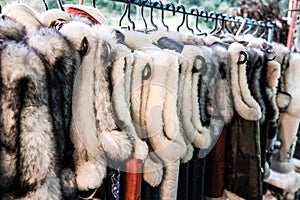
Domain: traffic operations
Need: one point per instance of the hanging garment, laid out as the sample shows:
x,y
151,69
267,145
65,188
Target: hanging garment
x,y
289,120
100,138
215,168
161,109
188,90
63,62
243,172
28,145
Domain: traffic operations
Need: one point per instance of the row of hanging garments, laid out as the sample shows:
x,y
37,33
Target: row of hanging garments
x,y
91,111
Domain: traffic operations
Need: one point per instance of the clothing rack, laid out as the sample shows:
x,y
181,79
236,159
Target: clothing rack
x,y
202,13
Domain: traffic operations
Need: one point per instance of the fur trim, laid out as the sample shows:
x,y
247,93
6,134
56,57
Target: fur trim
x,y
237,73
91,100
23,14
36,158
48,17
10,29
210,40
86,11
177,36
120,76
160,99
196,133
141,68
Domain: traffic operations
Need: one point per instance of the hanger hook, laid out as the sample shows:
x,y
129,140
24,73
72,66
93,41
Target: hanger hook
x,y
45,5
151,16
242,21
187,21
192,10
250,23
162,15
183,16
264,25
142,3
216,16
129,17
173,7
94,3
59,3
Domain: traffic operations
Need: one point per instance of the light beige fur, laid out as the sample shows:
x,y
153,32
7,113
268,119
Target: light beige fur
x,y
52,15
196,133
244,110
98,137
121,76
23,14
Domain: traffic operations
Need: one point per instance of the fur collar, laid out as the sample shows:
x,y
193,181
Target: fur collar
x,y
23,14
244,103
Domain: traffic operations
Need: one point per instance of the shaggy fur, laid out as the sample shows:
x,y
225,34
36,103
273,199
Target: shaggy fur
x,y
23,14
256,71
62,63
98,137
241,97
10,29
28,146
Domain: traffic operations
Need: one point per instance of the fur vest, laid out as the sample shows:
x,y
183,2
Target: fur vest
x,y
28,145
94,130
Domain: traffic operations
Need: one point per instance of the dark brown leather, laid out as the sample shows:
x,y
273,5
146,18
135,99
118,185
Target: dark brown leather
x,y
215,168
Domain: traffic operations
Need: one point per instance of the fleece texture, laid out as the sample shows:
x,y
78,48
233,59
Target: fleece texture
x,y
94,130
161,108
244,103
121,82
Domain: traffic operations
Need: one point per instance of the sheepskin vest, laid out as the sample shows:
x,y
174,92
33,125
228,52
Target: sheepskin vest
x,y
94,129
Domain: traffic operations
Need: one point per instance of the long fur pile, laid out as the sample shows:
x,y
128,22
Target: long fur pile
x,y
99,137
28,145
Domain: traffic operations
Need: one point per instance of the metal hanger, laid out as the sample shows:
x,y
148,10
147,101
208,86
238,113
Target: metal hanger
x,y
250,26
142,14
94,3
45,5
187,19
183,16
151,17
206,19
127,10
162,15
215,18
60,5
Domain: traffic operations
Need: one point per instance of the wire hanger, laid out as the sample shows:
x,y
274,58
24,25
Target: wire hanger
x,y
162,15
216,16
45,5
60,5
151,17
142,14
183,16
187,20
242,21
127,10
